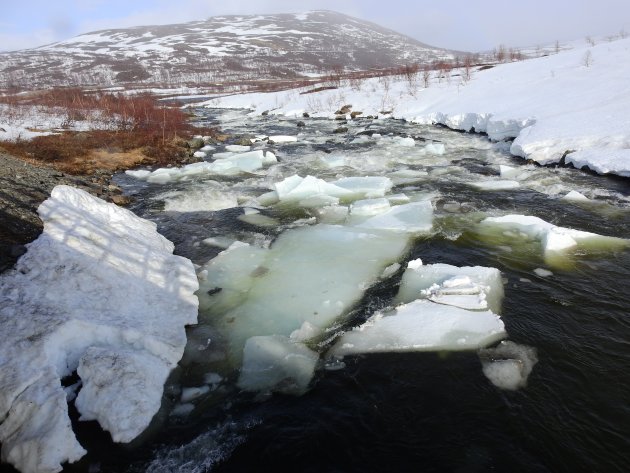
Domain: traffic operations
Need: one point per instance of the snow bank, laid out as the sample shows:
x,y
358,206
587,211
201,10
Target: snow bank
x,y
551,105
557,242
602,161
100,293
422,326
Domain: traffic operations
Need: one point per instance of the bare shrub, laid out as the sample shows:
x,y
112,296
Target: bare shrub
x,y
587,59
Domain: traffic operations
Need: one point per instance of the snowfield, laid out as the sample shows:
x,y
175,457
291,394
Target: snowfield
x,y
573,103
99,293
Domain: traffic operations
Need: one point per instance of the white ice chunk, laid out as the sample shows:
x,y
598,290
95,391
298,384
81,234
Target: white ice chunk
x,y
575,196
138,174
508,365
434,148
416,217
275,363
405,142
469,287
366,187
495,185
306,332
200,154
296,188
370,207
509,172
543,273
99,291
199,199
332,161
226,154
237,148
283,139
192,393
422,326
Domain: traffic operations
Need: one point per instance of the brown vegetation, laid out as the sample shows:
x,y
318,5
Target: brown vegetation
x,y
137,130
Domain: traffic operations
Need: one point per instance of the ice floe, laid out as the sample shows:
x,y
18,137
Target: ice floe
x,y
467,287
422,326
100,293
557,242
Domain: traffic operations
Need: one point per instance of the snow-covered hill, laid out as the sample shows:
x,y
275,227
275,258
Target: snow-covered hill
x,y
573,104
219,49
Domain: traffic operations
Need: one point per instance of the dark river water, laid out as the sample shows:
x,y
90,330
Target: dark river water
x,y
403,412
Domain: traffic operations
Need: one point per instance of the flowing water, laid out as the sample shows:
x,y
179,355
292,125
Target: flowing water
x,y
404,411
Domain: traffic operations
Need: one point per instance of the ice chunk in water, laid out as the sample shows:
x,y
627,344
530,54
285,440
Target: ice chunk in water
x,y
422,326
283,139
369,207
508,365
434,148
367,187
468,287
265,292
416,217
139,174
495,185
575,196
237,148
332,161
296,188
275,363
557,242
190,394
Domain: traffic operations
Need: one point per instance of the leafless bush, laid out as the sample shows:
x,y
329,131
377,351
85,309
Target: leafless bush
x,y
426,76
590,41
587,60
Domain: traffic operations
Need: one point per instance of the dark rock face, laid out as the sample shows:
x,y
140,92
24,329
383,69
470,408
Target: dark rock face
x,y
22,188
216,50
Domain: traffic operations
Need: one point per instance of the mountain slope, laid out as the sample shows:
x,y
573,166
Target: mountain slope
x,y
219,49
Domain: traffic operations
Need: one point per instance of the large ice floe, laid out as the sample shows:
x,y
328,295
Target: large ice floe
x,y
99,293
269,302
558,243
444,308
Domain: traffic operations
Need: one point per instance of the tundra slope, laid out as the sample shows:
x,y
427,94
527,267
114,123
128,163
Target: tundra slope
x,y
218,49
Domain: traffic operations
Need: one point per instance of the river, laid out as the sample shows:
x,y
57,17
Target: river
x,y
404,411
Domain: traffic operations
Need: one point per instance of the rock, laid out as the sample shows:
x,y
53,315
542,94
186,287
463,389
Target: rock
x,y
340,117
341,129
344,110
354,115
305,115
3,130
301,124
121,200
244,141
265,113
196,143
114,189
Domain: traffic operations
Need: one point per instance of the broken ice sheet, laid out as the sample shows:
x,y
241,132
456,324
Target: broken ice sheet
x,y
422,326
468,287
558,243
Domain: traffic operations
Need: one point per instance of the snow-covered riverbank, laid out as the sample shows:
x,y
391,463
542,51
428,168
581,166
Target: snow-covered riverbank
x,y
574,102
99,293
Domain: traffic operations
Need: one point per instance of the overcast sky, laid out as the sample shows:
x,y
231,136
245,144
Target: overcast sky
x,y
456,24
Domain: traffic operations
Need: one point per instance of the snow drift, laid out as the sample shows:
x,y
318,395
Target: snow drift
x,y
99,293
